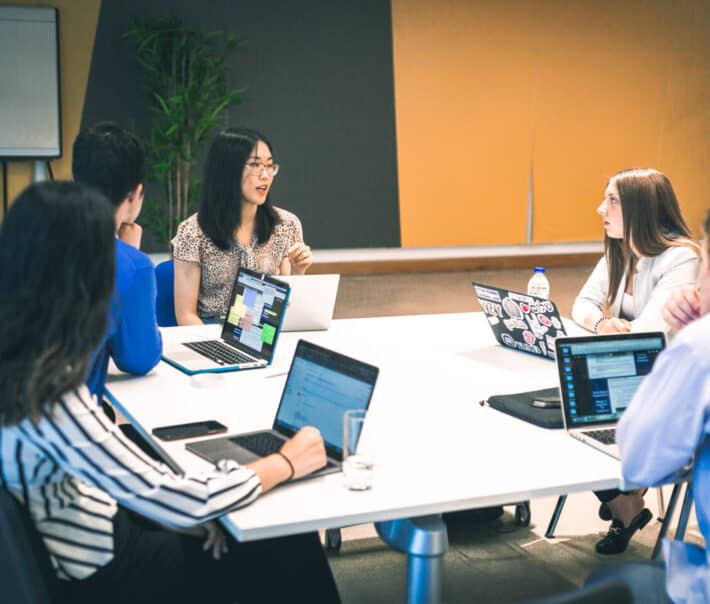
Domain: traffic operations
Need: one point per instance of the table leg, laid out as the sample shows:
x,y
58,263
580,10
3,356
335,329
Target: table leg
x,y
425,542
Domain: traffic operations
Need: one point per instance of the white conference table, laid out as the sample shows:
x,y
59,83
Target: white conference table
x,y
437,449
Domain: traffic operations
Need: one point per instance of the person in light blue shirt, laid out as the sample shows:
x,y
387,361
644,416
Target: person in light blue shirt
x,y
112,161
664,430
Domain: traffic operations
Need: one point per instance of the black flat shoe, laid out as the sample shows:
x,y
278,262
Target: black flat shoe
x,y
618,537
605,512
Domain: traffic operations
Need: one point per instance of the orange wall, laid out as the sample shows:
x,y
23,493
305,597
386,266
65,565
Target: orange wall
x,y
77,27
576,90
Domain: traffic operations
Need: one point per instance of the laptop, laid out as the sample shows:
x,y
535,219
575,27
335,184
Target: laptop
x,y
520,321
321,385
249,334
598,378
312,301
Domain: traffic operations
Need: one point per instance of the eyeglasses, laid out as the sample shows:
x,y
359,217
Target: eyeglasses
x,y
271,169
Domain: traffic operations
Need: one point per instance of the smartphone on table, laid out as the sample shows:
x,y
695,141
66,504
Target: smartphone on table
x,y
180,431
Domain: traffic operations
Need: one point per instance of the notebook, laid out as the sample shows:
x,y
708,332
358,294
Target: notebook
x,y
520,321
249,334
321,385
598,378
312,301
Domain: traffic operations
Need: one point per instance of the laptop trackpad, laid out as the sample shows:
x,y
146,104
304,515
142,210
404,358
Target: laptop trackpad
x,y
222,448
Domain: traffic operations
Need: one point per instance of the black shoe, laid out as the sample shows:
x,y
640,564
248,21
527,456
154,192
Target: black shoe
x,y
618,537
605,512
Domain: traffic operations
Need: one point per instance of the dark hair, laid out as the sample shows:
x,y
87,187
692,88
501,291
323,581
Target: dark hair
x,y
220,212
652,222
56,281
110,159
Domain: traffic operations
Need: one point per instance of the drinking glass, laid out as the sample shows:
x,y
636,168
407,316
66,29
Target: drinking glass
x,y
358,460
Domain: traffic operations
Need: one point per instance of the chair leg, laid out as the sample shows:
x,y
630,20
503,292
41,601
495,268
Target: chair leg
x,y
684,512
670,510
661,504
550,532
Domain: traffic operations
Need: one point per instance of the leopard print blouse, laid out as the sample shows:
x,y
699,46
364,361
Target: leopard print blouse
x,y
219,267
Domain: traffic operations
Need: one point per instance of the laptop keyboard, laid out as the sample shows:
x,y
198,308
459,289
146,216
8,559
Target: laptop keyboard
x,y
261,443
219,353
608,437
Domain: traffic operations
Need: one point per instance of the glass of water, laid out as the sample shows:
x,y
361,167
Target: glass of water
x,y
358,460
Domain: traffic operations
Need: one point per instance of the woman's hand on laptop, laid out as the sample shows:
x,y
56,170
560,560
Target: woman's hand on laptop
x,y
614,325
300,455
305,451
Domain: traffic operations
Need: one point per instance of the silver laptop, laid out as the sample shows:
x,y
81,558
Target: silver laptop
x,y
598,378
312,301
321,385
249,334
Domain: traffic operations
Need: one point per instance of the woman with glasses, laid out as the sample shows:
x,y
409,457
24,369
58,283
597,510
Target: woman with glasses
x,y
649,251
235,226
117,525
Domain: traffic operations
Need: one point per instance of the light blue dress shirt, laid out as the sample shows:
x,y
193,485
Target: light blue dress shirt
x,y
664,427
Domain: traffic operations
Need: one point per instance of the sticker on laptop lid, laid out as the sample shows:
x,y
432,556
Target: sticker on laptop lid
x,y
512,309
491,308
513,324
487,294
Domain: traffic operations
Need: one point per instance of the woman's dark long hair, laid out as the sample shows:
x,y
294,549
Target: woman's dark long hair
x,y
220,212
652,222
56,281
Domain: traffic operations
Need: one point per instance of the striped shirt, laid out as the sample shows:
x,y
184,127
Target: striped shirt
x,y
74,467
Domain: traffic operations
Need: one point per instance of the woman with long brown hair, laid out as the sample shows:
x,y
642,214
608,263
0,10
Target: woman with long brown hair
x,y
649,252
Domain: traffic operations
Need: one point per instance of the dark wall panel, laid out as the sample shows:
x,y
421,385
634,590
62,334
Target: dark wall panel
x,y
319,84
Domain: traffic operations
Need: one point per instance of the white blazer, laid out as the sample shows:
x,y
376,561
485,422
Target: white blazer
x,y
654,280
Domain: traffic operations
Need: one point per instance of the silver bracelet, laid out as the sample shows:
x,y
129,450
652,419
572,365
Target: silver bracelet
x,y
595,329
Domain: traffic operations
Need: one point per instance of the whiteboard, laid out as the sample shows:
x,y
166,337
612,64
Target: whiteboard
x,y
30,121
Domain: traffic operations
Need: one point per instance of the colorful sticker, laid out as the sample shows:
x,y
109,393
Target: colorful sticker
x,y
521,297
550,342
512,324
491,308
542,347
493,320
524,307
507,339
487,294
556,323
529,337
512,309
544,320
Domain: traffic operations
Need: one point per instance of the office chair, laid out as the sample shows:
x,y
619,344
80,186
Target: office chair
x,y
26,574
165,301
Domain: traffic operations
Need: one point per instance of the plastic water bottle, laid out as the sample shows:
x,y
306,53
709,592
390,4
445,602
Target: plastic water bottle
x,y
539,285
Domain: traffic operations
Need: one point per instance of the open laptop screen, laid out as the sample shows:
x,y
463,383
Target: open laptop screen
x,y
320,387
600,374
255,313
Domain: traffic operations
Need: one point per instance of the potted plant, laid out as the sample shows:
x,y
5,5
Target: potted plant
x,y
187,86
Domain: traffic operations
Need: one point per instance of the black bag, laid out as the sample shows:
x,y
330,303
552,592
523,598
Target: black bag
x,y
520,405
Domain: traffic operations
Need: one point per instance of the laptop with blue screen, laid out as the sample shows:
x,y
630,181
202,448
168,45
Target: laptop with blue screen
x,y
249,334
321,385
599,376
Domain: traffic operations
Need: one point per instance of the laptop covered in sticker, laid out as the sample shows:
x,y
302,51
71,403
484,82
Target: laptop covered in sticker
x,y
520,321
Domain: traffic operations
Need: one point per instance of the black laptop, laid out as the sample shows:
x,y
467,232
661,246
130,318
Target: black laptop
x,y
520,321
321,385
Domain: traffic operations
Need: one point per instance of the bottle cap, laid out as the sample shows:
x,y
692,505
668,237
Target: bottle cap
x,y
539,269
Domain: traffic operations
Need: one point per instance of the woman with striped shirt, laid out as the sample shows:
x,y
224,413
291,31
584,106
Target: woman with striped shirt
x,y
118,526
